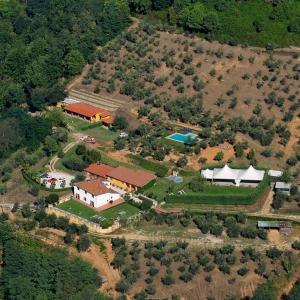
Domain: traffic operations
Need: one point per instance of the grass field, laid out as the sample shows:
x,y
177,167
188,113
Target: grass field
x,y
98,132
176,145
162,187
101,134
76,208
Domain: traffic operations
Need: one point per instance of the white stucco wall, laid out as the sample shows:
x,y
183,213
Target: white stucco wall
x,y
98,200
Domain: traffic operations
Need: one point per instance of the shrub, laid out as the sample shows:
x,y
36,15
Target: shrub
x,y
216,230
83,243
52,199
278,200
151,289
15,207
186,277
26,211
243,271
153,271
219,156
249,232
122,286
296,245
273,253
168,279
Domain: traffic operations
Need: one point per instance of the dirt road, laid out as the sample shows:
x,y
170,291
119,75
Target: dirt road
x,y
266,208
55,158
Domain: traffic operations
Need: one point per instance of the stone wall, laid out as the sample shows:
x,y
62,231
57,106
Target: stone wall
x,y
93,227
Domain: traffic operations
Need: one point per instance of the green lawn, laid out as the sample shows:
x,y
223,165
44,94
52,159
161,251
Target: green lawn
x,y
83,211
161,189
101,134
98,132
176,145
76,123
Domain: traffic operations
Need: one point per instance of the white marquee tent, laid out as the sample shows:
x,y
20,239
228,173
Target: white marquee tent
x,y
236,175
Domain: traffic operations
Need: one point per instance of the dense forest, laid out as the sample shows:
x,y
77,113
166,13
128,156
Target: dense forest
x,y
32,271
257,22
44,43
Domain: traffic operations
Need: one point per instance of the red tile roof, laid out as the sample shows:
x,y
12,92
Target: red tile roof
x,y
137,178
86,110
100,170
94,187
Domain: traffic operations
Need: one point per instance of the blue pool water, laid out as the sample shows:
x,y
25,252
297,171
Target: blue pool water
x,y
176,179
181,138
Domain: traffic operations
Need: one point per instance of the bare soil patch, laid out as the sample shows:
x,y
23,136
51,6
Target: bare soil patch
x,y
274,237
210,152
101,263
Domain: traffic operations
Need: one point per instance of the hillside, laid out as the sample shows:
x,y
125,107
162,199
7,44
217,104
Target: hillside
x,y
264,23
236,93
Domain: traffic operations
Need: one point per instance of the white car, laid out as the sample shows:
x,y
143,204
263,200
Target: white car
x,y
83,138
123,135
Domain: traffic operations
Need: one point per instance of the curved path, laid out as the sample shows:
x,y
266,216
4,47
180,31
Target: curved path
x,y
55,158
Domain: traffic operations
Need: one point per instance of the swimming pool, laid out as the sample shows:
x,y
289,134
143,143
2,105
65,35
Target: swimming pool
x,y
181,138
176,179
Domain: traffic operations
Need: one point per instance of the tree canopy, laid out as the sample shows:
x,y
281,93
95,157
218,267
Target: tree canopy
x,y
32,271
43,42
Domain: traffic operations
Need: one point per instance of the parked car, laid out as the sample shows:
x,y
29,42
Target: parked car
x,y
123,134
45,176
52,180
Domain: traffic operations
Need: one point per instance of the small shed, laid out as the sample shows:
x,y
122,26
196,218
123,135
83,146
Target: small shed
x,y
282,226
268,224
275,173
284,187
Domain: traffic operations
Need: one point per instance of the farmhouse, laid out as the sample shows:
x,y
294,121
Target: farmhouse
x,y
98,171
121,177
95,194
88,112
129,180
237,177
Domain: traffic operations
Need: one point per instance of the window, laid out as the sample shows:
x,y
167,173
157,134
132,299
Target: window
x,y
84,198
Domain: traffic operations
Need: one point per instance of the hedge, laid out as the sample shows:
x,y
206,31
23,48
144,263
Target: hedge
x,y
90,126
147,186
233,199
159,169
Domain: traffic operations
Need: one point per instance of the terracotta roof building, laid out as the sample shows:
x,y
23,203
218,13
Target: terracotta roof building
x,y
94,187
88,112
129,179
95,194
98,170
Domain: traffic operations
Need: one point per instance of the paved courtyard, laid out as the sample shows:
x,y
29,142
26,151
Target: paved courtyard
x,y
56,180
